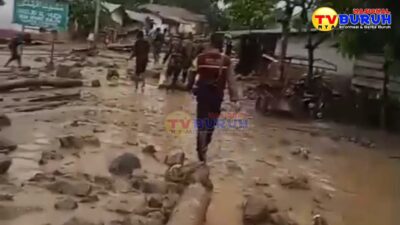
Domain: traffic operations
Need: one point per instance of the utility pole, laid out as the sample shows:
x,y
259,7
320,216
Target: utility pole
x,y
96,22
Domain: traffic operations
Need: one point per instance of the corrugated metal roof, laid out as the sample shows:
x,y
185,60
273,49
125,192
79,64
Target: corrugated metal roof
x,y
174,12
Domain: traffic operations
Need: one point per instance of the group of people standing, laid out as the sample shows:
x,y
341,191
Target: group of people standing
x,y
180,53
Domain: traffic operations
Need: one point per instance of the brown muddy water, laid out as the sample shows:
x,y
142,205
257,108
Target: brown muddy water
x,y
350,184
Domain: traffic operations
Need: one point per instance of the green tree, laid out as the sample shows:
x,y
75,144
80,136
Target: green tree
x,y
253,14
82,12
353,43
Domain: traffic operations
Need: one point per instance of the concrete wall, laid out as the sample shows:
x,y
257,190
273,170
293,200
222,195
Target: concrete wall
x,y
296,47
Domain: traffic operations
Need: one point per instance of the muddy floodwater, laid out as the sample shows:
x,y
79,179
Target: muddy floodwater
x,y
352,175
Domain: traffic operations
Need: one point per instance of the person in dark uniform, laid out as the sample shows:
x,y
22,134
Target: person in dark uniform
x,y
158,42
15,50
214,73
141,51
175,63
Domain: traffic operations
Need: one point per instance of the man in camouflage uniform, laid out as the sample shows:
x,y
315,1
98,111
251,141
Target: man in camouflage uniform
x,y
174,57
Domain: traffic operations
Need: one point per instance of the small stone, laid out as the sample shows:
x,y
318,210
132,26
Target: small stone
x,y
7,146
261,182
6,197
295,182
175,159
5,164
106,182
150,150
233,166
71,142
79,221
96,83
4,120
66,204
127,205
112,74
67,188
157,215
90,199
282,219
257,209
154,201
124,164
50,155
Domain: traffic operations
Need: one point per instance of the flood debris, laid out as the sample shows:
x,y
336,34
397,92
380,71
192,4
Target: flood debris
x,y
66,204
50,155
57,97
190,174
112,74
176,158
80,221
149,150
79,189
297,182
5,163
127,205
78,142
301,152
67,71
7,146
40,82
4,120
6,197
124,164
95,83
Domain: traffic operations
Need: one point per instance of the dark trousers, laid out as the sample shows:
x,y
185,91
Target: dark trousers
x,y
208,111
14,56
174,71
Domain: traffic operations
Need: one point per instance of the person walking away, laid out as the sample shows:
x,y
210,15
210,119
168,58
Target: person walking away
x,y
189,55
214,73
15,47
141,51
174,57
158,42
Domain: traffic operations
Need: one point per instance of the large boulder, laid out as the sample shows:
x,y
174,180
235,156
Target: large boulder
x,y
4,120
79,189
66,71
124,164
5,164
257,209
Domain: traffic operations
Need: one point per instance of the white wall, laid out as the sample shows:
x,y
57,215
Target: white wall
x,y
325,51
6,14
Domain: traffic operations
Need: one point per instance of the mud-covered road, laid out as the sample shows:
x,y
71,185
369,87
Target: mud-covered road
x,y
343,173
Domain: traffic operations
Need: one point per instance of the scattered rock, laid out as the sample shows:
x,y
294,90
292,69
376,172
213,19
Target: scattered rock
x,y
124,164
106,182
364,142
96,83
4,120
5,164
79,189
6,197
157,216
39,177
90,199
112,74
285,142
261,182
149,150
7,146
154,186
319,220
295,182
139,174
175,159
13,212
78,142
257,209
65,71
301,152
233,167
189,174
50,155
154,201
282,219
66,204
25,69
79,221
127,205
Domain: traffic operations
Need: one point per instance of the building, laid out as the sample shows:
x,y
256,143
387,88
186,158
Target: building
x,y
178,19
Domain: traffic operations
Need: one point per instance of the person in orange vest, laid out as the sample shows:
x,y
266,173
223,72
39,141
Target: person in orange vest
x,y
214,72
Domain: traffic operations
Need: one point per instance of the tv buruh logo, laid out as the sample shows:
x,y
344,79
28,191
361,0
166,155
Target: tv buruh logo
x,y
325,19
